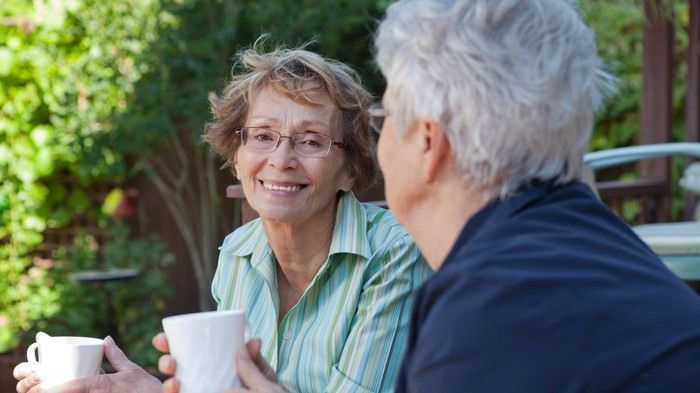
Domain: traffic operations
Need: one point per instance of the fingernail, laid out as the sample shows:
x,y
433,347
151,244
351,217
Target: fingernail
x,y
109,340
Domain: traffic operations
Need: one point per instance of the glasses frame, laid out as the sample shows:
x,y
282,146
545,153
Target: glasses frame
x,y
243,131
377,115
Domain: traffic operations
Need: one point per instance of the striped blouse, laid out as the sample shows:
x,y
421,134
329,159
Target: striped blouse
x,y
348,331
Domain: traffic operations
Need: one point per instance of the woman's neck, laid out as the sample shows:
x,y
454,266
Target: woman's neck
x,y
301,248
300,251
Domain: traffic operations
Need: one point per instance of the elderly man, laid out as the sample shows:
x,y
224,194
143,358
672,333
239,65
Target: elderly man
x,y
538,286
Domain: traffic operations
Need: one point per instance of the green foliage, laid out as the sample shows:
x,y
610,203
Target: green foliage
x,y
87,87
138,304
66,68
618,25
192,56
618,29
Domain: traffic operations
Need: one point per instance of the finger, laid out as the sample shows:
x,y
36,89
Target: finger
x,y
27,383
254,347
116,357
249,372
96,384
160,342
166,365
171,385
23,370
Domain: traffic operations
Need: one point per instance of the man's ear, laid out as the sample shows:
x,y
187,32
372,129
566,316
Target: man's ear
x,y
435,148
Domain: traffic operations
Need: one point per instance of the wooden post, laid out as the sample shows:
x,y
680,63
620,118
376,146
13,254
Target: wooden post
x,y
692,101
656,102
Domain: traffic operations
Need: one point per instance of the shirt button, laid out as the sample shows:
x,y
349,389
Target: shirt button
x,y
287,335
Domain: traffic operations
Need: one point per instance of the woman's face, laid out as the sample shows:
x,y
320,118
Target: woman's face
x,y
282,185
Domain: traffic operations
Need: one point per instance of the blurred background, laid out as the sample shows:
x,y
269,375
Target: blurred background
x,y
111,208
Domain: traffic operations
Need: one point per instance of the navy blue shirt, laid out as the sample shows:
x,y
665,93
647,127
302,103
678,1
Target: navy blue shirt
x,y
548,291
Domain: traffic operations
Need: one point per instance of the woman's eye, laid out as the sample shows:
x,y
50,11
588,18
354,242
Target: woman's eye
x,y
310,143
263,137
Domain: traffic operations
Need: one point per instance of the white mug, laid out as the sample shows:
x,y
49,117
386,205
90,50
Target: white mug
x,y
204,347
63,359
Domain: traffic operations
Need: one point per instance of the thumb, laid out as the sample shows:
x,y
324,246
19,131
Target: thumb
x,y
248,371
254,347
116,357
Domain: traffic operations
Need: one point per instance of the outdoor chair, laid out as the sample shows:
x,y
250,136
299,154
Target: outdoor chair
x,y
678,244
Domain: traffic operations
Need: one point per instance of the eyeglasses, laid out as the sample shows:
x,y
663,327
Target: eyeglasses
x,y
267,140
377,114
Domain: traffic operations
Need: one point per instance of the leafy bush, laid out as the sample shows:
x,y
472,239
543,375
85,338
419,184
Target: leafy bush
x,y
138,304
618,25
88,86
66,68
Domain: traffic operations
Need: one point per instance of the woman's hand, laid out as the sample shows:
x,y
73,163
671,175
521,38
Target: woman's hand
x,y
128,378
254,371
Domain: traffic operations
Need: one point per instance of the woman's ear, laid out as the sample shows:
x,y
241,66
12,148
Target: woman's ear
x,y
233,165
347,181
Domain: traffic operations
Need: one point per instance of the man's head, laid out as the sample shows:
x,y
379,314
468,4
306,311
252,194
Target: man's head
x,y
513,84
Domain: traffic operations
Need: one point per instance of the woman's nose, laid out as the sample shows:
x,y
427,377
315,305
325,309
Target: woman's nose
x,y
284,155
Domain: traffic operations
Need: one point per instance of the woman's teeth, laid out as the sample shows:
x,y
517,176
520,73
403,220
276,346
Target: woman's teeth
x,y
274,187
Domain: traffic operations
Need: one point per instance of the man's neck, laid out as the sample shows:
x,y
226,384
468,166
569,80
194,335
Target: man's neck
x,y
437,221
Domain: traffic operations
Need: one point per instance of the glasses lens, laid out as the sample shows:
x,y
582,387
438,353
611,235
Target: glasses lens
x,y
311,144
376,117
377,123
260,139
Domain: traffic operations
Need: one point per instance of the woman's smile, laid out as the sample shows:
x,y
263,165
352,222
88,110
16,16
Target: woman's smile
x,y
284,187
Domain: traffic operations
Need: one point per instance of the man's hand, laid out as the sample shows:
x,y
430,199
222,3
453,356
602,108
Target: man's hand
x,y
254,371
129,377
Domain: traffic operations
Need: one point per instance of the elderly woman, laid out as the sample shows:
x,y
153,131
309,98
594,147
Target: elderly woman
x,y
327,282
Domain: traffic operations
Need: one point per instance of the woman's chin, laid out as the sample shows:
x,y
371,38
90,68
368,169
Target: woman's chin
x,y
279,215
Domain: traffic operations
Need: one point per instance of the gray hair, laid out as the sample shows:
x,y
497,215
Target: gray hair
x,y
515,84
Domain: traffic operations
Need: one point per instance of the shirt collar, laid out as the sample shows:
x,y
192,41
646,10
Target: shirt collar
x,y
349,233
350,228
246,240
498,211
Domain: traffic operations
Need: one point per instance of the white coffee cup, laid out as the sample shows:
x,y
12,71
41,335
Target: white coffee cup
x,y
65,358
204,347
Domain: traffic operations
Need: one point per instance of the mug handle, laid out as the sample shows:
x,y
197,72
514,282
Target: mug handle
x,y
31,353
